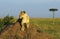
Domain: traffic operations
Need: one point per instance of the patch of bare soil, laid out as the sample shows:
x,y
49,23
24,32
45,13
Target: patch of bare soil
x,y
14,32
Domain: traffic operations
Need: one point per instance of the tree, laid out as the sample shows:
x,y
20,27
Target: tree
x,y
53,10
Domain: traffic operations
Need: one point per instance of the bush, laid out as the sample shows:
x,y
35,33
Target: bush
x,y
1,23
7,20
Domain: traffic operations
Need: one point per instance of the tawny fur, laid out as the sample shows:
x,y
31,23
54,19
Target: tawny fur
x,y
25,19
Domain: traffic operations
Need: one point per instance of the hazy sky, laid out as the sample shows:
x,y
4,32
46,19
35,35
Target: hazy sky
x,y
34,8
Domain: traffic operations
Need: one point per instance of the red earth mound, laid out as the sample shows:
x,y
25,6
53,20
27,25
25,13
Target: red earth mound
x,y
14,32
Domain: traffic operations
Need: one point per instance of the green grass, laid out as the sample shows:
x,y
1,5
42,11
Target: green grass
x,y
46,25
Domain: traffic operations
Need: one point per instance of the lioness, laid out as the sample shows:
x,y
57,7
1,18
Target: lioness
x,y
24,20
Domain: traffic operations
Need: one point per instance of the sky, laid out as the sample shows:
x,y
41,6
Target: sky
x,y
34,8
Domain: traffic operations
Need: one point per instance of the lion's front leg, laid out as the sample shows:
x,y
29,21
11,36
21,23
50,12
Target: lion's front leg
x,y
23,28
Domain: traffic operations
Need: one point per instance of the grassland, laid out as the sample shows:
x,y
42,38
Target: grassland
x,y
46,25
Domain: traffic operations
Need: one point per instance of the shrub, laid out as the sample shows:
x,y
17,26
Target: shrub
x,y
1,23
7,20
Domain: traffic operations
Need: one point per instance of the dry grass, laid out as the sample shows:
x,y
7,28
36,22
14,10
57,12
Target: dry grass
x,y
13,32
45,24
40,28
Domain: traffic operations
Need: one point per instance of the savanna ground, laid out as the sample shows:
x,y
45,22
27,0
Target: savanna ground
x,y
45,26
